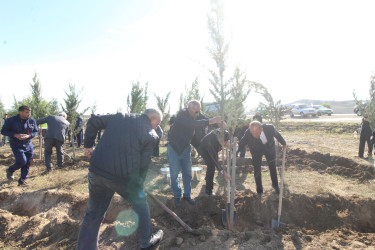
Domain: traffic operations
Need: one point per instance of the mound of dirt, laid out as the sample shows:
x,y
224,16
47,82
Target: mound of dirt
x,y
325,163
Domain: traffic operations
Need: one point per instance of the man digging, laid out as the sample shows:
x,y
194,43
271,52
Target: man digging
x,y
260,139
119,164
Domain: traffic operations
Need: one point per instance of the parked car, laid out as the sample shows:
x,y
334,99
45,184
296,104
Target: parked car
x,y
357,110
321,110
302,110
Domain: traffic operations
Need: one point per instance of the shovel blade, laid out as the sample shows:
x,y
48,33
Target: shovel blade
x,y
277,223
224,216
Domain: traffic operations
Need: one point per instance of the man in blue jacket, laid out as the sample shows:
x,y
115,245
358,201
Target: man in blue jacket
x,y
179,148
260,138
78,131
55,137
119,164
21,129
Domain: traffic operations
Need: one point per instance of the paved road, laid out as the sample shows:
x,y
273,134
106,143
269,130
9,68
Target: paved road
x,y
350,118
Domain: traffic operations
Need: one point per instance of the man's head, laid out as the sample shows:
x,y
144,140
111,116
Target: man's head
x,y
194,107
256,129
155,116
25,112
5,116
63,114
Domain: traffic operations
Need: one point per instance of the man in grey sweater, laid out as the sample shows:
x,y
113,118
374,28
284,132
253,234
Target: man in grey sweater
x,y
55,137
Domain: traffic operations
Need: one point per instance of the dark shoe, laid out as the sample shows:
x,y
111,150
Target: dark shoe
x,y
189,200
22,182
210,193
177,202
155,240
48,170
260,195
10,175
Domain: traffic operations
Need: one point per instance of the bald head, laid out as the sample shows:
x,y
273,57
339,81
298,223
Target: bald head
x,y
255,129
194,108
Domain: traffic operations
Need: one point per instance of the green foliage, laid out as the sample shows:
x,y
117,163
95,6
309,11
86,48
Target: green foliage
x,y
137,99
368,109
72,102
2,108
163,105
192,93
273,111
16,104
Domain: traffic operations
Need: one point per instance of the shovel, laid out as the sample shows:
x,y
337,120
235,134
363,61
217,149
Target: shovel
x,y
71,157
277,223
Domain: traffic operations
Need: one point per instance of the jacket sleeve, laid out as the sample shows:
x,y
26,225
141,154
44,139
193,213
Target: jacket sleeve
x,y
147,149
188,122
41,121
94,124
34,131
279,137
244,140
7,129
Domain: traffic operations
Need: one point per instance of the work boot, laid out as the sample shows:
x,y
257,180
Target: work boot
x,y
260,195
22,182
177,202
277,190
10,175
48,170
155,240
189,200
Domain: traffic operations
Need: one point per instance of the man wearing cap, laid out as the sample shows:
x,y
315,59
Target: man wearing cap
x,y
21,129
179,148
55,137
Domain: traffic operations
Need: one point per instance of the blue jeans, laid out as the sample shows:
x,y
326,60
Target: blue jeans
x,y
101,191
24,158
179,163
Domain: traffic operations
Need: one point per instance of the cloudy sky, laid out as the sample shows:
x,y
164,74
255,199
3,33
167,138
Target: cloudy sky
x,y
297,49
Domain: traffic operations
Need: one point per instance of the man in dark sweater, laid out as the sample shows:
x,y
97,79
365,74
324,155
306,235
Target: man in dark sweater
x,y
260,139
119,164
179,148
365,136
55,137
209,148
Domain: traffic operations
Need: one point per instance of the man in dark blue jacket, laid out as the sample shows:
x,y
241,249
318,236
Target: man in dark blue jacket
x,y
119,164
365,136
55,137
21,129
260,139
78,131
179,148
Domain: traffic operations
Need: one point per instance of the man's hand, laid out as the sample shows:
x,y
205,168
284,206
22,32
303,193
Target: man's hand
x,y
215,120
226,176
22,137
88,152
283,148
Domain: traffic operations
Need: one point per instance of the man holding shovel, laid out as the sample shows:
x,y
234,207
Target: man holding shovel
x,y
260,138
55,137
119,164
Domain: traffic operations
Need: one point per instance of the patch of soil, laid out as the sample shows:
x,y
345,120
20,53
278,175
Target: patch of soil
x,y
325,163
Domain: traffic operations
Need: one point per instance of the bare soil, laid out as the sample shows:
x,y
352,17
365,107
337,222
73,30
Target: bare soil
x,y
328,203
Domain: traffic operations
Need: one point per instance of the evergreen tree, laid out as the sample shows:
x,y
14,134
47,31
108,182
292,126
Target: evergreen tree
x,y
2,108
163,105
367,107
137,99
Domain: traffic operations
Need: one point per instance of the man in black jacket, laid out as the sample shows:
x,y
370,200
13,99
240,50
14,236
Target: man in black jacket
x,y
260,139
365,136
209,148
119,164
179,148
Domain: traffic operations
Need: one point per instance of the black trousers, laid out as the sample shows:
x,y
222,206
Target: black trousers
x,y
362,142
257,162
211,160
49,143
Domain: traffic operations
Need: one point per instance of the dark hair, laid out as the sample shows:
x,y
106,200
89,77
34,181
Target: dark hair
x,y
24,107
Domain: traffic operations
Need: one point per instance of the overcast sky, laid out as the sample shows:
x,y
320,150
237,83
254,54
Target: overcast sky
x,y
297,49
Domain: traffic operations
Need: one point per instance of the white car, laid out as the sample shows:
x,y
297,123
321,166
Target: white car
x,y
302,110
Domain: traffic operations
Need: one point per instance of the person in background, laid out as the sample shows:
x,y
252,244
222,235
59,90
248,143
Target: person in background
x,y
78,131
21,129
55,137
258,117
365,137
4,139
